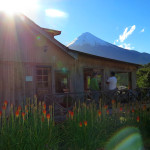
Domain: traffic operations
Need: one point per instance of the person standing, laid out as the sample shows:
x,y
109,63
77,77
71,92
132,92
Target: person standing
x,y
94,87
112,86
112,82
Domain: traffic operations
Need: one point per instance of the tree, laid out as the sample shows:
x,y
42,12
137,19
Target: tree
x,y
143,76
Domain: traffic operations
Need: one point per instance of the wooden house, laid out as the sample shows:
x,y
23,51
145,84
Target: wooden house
x,y
32,62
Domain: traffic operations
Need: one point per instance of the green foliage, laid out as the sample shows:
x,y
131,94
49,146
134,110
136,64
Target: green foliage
x,y
122,79
143,76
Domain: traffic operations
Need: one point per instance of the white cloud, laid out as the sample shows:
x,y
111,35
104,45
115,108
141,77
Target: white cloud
x,y
55,13
126,46
126,33
142,30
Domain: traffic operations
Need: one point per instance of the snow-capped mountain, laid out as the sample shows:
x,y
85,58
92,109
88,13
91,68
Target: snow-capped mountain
x,y
90,44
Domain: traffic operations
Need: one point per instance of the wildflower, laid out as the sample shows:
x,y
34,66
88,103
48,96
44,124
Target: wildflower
x,y
19,108
44,106
26,110
99,113
144,107
69,112
113,101
23,114
132,110
80,124
85,123
105,106
107,112
121,109
138,119
0,113
48,116
122,119
72,114
44,112
4,107
17,113
5,102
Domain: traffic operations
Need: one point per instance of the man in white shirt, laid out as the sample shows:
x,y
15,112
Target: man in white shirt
x,y
112,82
112,86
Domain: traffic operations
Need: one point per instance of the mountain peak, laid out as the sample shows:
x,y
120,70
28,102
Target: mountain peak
x,y
88,39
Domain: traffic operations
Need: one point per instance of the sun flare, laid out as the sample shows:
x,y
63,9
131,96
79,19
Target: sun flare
x,y
15,6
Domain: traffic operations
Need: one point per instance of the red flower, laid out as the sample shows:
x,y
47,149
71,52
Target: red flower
x,y
48,116
17,113
44,106
105,106
0,113
132,110
138,119
71,114
113,101
99,113
80,124
5,102
107,112
85,123
19,108
4,107
121,109
44,112
23,114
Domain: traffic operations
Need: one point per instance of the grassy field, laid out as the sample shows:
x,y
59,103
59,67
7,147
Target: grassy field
x,y
32,127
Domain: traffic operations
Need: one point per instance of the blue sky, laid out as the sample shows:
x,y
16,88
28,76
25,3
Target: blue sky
x,y
125,23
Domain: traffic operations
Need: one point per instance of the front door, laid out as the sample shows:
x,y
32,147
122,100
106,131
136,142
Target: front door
x,y
43,81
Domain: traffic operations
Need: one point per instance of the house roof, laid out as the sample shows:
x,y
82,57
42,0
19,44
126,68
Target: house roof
x,y
52,32
104,58
45,32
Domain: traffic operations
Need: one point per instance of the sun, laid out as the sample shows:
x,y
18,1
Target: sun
x,y
17,6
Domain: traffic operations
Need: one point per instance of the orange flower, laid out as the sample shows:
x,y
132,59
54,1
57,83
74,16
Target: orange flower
x,y
85,123
69,111
23,114
105,106
138,119
19,108
48,116
144,107
99,113
5,102
44,112
132,110
80,124
17,113
4,107
0,113
121,109
113,101
26,110
71,114
44,106
107,112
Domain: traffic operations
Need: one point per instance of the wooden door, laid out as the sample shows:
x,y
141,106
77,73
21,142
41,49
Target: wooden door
x,y
43,81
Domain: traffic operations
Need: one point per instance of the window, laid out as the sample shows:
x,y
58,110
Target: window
x,y
42,77
61,81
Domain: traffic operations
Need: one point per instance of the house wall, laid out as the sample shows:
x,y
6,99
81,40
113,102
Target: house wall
x,y
87,61
22,49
